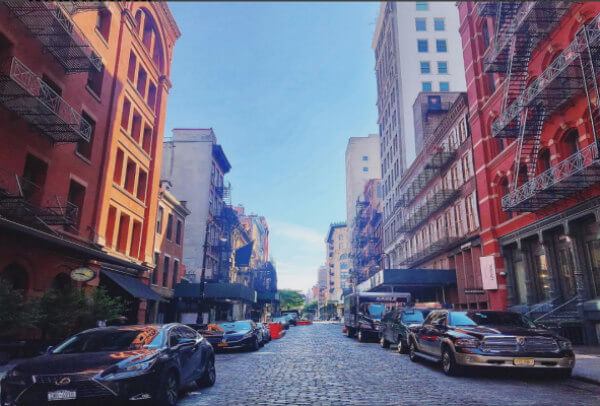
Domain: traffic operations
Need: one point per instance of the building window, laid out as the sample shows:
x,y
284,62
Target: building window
x,y
492,82
119,159
365,158
175,273
178,232
84,148
170,226
123,233
426,86
76,197
365,169
94,80
141,82
341,245
103,23
130,170
420,24
125,114
422,6
159,217
444,86
152,96
110,226
425,67
442,67
422,45
343,265
147,141
441,45
165,271
572,142
132,66
136,126
439,24
141,186
136,233
486,35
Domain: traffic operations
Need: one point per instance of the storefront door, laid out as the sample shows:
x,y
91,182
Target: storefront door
x,y
566,269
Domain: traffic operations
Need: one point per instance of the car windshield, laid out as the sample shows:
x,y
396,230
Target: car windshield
x,y
124,339
235,326
412,317
489,319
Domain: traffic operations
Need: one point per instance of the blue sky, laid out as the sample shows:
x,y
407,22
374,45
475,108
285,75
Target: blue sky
x,y
284,85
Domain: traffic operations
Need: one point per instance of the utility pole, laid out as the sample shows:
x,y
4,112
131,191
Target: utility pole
x,y
202,302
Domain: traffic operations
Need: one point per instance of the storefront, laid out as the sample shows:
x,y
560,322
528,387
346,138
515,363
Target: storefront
x,y
553,271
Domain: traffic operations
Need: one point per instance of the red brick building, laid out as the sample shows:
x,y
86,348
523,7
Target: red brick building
x,y
64,70
531,71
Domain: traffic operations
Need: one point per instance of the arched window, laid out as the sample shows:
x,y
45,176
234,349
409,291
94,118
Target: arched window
x,y
523,176
147,28
16,276
571,142
62,282
504,190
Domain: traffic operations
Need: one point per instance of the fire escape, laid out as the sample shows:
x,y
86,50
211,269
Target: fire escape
x,y
21,201
529,102
51,24
224,193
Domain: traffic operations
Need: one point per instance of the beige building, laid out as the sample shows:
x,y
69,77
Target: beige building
x,y
337,261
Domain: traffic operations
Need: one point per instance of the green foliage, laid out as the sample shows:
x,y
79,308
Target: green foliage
x,y
291,299
311,308
60,313
12,308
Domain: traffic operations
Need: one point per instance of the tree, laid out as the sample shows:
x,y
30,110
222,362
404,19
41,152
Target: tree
x,y
310,308
291,299
12,308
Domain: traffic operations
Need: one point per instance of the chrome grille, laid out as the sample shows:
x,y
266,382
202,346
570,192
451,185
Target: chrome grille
x,y
83,384
497,344
540,344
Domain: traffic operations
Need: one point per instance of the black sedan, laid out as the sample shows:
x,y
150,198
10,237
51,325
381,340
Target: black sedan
x,y
462,339
112,365
243,334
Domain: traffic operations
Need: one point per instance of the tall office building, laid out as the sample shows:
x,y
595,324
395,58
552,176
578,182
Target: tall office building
x,y
362,164
417,49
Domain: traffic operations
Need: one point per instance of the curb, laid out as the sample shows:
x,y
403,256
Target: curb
x,y
586,380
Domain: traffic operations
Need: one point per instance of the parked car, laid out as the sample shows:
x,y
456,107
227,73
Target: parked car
x,y
243,334
212,332
114,364
282,320
462,339
292,318
394,326
266,333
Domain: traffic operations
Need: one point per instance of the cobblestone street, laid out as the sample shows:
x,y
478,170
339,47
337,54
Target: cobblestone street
x,y
317,364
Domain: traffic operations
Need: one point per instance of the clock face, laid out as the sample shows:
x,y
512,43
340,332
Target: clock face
x,y
82,274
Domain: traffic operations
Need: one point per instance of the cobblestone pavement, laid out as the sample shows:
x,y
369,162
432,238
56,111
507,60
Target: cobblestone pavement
x,y
318,365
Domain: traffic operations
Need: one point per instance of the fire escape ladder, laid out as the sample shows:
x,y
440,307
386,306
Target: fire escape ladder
x,y
590,81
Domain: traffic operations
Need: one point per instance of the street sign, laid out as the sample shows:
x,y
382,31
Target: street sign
x,y
488,272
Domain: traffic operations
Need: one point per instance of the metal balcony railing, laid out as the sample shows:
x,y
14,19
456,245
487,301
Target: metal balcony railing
x,y
571,175
486,8
21,201
431,250
423,212
530,22
50,23
27,95
560,81
74,7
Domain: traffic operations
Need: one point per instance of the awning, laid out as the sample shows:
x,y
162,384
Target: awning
x,y
133,285
409,278
243,254
267,296
216,290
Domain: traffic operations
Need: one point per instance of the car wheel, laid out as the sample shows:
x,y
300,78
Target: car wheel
x,y
210,376
449,365
349,332
383,342
168,390
412,352
255,345
402,346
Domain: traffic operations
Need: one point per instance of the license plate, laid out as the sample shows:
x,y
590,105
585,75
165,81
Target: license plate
x,y
222,344
524,362
62,395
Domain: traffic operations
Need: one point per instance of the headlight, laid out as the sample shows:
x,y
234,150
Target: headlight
x,y
564,344
131,370
466,342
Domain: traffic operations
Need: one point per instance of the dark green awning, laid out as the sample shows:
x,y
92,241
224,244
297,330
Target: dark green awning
x,y
218,290
133,285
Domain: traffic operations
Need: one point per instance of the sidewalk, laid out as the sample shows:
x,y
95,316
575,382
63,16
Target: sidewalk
x,y
587,365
